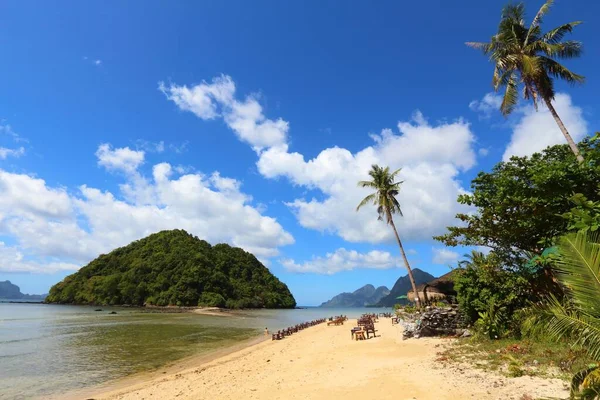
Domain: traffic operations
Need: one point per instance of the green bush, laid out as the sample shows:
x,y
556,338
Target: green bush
x,y
211,299
483,282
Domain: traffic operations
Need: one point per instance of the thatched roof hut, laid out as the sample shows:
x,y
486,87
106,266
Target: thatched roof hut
x,y
439,288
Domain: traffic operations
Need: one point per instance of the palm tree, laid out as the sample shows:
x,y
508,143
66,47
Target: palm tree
x,y
577,316
526,56
384,198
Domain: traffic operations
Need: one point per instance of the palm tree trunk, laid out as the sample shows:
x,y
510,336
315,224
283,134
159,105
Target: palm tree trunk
x,y
564,130
410,274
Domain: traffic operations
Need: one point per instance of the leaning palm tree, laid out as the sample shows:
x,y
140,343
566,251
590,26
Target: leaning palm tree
x,y
576,317
384,198
526,56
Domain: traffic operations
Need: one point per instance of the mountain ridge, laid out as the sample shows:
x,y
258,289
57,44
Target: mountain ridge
x,y
10,291
363,296
402,286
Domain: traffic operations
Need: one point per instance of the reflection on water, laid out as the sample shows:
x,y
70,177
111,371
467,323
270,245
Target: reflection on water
x,y
49,349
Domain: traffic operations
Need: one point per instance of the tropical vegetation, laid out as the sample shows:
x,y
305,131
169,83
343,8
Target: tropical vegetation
x,y
174,268
526,56
385,187
523,205
538,281
576,316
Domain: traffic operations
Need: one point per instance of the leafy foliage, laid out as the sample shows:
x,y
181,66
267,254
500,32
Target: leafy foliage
x,y
174,268
520,202
525,56
585,216
577,317
490,295
491,322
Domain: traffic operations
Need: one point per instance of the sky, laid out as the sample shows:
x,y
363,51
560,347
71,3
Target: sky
x,y
251,122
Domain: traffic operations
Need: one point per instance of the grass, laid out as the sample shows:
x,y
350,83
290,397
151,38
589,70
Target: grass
x,y
514,358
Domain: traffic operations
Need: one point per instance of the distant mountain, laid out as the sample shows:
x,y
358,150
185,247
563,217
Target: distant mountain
x,y
402,286
11,291
366,295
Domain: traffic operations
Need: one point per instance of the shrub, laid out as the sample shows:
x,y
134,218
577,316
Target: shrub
x,y
210,299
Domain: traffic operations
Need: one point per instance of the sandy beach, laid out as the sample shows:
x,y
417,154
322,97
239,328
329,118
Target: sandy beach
x,y
322,362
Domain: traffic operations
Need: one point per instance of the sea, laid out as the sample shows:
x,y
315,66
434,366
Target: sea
x,y
47,350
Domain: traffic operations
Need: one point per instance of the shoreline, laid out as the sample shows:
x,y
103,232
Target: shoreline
x,y
175,367
322,362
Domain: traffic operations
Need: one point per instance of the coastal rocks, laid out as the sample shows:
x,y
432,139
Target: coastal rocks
x,y
435,321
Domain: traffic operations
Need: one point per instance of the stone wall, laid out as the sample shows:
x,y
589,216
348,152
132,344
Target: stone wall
x,y
434,321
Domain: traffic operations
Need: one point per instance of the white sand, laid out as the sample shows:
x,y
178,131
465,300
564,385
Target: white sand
x,y
323,363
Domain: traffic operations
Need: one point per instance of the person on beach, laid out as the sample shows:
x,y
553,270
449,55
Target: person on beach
x,y
266,332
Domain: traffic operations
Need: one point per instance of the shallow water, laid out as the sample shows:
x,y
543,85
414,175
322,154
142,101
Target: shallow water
x,y
50,349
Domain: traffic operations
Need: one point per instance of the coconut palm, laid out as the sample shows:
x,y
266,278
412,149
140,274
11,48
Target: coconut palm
x,y
526,56
577,316
384,198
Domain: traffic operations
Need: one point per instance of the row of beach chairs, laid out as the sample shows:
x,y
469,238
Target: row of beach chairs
x,y
339,320
296,328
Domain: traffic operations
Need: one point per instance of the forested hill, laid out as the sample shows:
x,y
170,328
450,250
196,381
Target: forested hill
x,y
174,268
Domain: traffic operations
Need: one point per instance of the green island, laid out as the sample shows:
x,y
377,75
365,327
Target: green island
x,y
174,268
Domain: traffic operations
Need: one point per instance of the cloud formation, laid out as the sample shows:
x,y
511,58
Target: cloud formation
x,y
217,99
55,229
489,104
444,256
431,157
537,130
343,260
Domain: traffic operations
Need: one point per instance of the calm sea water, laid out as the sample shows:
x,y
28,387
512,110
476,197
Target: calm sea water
x,y
51,349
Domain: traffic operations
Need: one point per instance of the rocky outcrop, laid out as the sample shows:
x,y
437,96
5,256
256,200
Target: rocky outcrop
x,y
434,321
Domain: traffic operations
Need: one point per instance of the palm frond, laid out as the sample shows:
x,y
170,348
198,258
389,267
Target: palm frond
x,y
511,95
367,184
577,317
555,35
485,47
385,193
569,49
578,268
369,199
537,20
558,70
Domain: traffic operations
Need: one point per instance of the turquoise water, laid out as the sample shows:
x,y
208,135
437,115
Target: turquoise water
x,y
51,349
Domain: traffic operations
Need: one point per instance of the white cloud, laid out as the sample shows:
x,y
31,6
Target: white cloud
x,y
483,151
7,131
54,229
487,105
537,130
343,260
245,118
121,159
97,62
5,152
431,155
444,256
12,260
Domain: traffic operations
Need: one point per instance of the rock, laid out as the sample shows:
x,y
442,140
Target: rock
x,y
466,333
112,312
98,309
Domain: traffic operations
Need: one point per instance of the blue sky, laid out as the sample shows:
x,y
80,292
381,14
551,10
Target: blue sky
x,y
249,123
